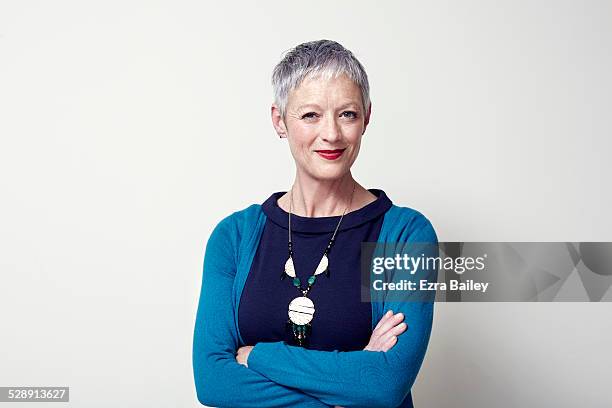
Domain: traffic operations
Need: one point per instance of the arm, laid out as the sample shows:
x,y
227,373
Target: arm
x,y
220,381
355,378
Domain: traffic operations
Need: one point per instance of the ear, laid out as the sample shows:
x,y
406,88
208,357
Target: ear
x,y
278,122
367,118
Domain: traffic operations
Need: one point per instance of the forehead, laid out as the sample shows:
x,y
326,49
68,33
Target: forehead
x,y
321,89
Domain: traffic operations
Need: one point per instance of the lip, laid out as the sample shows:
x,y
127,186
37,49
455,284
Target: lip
x,y
330,154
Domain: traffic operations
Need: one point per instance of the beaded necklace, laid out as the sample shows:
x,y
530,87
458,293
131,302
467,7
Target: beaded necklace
x,y
301,309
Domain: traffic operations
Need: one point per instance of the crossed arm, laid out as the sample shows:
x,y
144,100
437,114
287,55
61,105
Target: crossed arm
x,y
353,378
362,378
280,375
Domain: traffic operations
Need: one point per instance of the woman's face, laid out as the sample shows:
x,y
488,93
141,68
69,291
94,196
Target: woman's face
x,y
324,122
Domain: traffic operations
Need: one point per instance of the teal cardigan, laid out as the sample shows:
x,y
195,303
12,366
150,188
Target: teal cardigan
x,y
281,375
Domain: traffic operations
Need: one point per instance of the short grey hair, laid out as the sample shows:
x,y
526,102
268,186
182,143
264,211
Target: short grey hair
x,y
322,58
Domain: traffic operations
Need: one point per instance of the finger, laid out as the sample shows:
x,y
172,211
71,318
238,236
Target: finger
x,y
399,329
386,321
387,345
384,318
391,322
376,332
394,331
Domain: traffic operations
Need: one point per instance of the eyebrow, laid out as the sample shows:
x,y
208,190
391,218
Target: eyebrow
x,y
309,105
349,104
314,105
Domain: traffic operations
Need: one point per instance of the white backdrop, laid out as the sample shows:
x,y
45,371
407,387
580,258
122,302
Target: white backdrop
x,y
129,129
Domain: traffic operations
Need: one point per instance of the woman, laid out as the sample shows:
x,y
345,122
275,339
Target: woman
x,y
280,321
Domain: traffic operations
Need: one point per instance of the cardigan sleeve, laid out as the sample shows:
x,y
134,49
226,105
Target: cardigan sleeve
x,y
356,378
219,379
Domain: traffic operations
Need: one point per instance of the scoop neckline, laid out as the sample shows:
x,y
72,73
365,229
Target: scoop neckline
x,y
351,219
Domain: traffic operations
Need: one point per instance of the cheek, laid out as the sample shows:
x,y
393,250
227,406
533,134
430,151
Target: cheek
x,y
353,131
303,137
355,146
353,136
300,145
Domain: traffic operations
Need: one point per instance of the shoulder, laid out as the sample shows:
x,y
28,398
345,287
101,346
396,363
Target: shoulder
x,y
224,244
228,236
408,224
236,224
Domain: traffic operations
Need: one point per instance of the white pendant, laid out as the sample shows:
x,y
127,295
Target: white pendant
x,y
289,268
322,265
301,310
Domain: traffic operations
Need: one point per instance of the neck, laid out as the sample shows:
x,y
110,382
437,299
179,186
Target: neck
x,y
315,198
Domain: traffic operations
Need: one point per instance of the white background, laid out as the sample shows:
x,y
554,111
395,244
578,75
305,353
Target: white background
x,y
129,129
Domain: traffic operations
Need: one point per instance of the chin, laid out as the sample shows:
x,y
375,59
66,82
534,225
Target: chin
x,y
329,174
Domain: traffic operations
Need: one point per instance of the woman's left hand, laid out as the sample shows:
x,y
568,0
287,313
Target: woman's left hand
x,y
242,355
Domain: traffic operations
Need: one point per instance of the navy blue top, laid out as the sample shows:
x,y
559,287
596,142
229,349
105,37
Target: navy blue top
x,y
341,320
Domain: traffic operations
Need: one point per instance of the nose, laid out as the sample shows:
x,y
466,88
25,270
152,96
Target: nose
x,y
331,132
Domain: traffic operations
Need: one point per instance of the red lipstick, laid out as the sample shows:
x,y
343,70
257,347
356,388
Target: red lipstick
x,y
330,154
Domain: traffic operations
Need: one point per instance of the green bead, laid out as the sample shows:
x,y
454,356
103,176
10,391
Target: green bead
x,y
312,279
296,282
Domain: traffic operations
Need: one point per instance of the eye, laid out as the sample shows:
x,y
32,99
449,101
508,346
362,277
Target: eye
x,y
309,115
349,114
